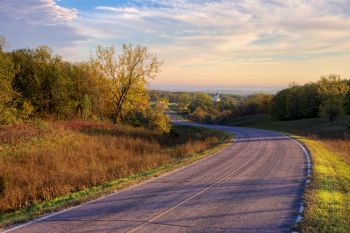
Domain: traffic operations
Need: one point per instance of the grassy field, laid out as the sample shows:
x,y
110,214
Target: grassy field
x,y
45,165
328,195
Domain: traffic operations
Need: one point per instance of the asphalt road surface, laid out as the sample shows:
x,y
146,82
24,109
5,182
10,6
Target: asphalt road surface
x,y
254,185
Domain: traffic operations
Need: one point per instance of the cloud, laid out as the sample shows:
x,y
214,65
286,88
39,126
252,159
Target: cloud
x,y
234,29
34,22
189,34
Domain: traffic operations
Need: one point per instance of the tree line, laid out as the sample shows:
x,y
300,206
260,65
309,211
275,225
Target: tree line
x,y
201,107
329,97
38,83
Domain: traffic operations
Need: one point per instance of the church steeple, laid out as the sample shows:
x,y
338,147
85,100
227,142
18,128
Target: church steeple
x,y
216,98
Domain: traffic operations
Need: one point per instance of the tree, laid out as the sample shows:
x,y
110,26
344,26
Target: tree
x,y
7,73
40,79
228,102
88,94
151,117
199,114
278,108
156,119
256,104
183,101
202,100
296,102
129,74
333,90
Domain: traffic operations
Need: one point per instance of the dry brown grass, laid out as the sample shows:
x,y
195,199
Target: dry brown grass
x,y
340,146
40,164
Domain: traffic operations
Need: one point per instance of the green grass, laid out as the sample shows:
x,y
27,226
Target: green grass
x,y
75,198
328,196
314,127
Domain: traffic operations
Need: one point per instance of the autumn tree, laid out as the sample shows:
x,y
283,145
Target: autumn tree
x,y
129,74
333,90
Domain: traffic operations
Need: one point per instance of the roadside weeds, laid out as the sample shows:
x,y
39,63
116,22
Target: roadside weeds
x,y
100,191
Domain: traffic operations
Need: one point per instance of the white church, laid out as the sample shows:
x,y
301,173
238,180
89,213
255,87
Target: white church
x,y
216,98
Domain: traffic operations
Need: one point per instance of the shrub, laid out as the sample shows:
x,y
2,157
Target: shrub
x,y
152,117
7,115
199,115
27,109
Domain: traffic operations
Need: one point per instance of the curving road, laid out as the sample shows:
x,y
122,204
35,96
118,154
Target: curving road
x,y
254,185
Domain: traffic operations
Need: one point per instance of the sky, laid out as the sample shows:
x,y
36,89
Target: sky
x,y
203,43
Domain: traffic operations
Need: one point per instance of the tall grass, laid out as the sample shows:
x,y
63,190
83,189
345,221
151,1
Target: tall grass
x,y
328,197
38,164
340,146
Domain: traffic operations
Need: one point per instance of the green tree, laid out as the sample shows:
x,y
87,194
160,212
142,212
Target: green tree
x,y
27,80
333,90
279,101
256,104
202,100
7,94
43,79
296,102
183,101
228,102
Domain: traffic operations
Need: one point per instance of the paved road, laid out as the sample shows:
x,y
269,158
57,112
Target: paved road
x,y
254,185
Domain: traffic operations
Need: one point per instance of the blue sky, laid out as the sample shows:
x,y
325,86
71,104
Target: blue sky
x,y
89,5
202,43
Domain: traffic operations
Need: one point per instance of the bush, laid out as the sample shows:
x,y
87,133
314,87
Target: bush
x,y
157,120
27,109
151,118
199,115
7,115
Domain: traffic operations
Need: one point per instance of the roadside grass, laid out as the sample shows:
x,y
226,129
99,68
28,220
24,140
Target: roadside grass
x,y
328,196
317,127
68,163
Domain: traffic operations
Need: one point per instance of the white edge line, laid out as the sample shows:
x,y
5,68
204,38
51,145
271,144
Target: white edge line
x,y
307,180
308,166
118,191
